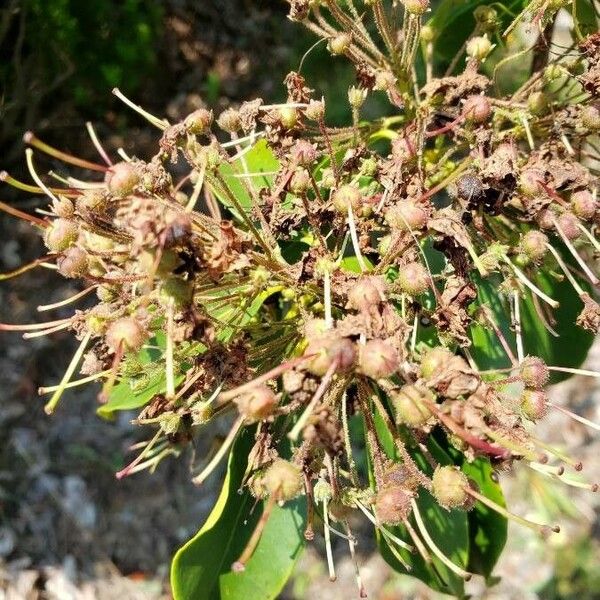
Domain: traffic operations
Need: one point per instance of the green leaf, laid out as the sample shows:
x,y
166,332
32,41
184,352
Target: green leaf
x,y
569,349
487,529
201,568
258,160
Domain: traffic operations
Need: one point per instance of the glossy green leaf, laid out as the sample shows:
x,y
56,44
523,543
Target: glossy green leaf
x,y
258,160
487,529
569,349
201,568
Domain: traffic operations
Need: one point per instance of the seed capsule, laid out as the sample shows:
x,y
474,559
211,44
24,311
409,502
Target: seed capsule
x,y
477,109
122,178
449,485
126,332
283,479
378,359
329,350
406,215
534,245
73,263
230,120
368,291
479,47
340,43
435,362
392,505
590,118
61,234
534,372
584,205
413,279
258,404
199,121
533,404
345,196
409,406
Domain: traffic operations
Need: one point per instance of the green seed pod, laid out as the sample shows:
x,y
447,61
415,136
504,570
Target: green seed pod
x,y
449,488
299,182
537,103
315,111
198,122
288,117
61,234
590,118
409,406
534,404
530,182
435,362
177,290
339,44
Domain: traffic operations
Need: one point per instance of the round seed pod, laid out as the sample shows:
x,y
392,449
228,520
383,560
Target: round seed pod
x,y
409,406
378,359
122,179
257,404
288,116
590,118
413,279
534,372
230,120
303,153
479,47
315,111
338,511
368,291
299,182
73,263
533,404
198,122
339,44
284,479
177,290
434,362
392,505
449,485
416,7
469,188
534,245
569,225
537,103
477,109
328,350
406,215
529,182
584,205
545,219
61,234
126,332
347,195
63,207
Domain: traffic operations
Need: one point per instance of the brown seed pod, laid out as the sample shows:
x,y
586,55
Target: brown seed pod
x,y
73,263
347,195
534,404
406,215
122,178
477,109
413,279
126,332
534,372
534,245
328,350
257,404
584,205
392,505
366,292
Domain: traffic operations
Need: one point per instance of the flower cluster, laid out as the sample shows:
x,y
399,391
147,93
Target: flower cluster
x,y
288,274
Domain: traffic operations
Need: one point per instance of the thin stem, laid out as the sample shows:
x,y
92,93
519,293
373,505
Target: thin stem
x,y
328,550
521,276
70,300
159,123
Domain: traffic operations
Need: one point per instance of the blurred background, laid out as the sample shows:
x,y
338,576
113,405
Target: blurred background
x,y
68,528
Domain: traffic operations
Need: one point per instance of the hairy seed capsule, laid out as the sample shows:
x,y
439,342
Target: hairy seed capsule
x,y
126,332
347,195
569,225
283,479
299,182
449,485
477,109
288,116
584,205
198,122
258,404
409,406
529,182
230,120
61,234
435,362
479,47
416,7
469,188
533,404
329,350
303,153
368,291
534,245
534,372
406,215
590,118
122,178
392,505
413,279
73,263
378,359
315,111
537,103
340,43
